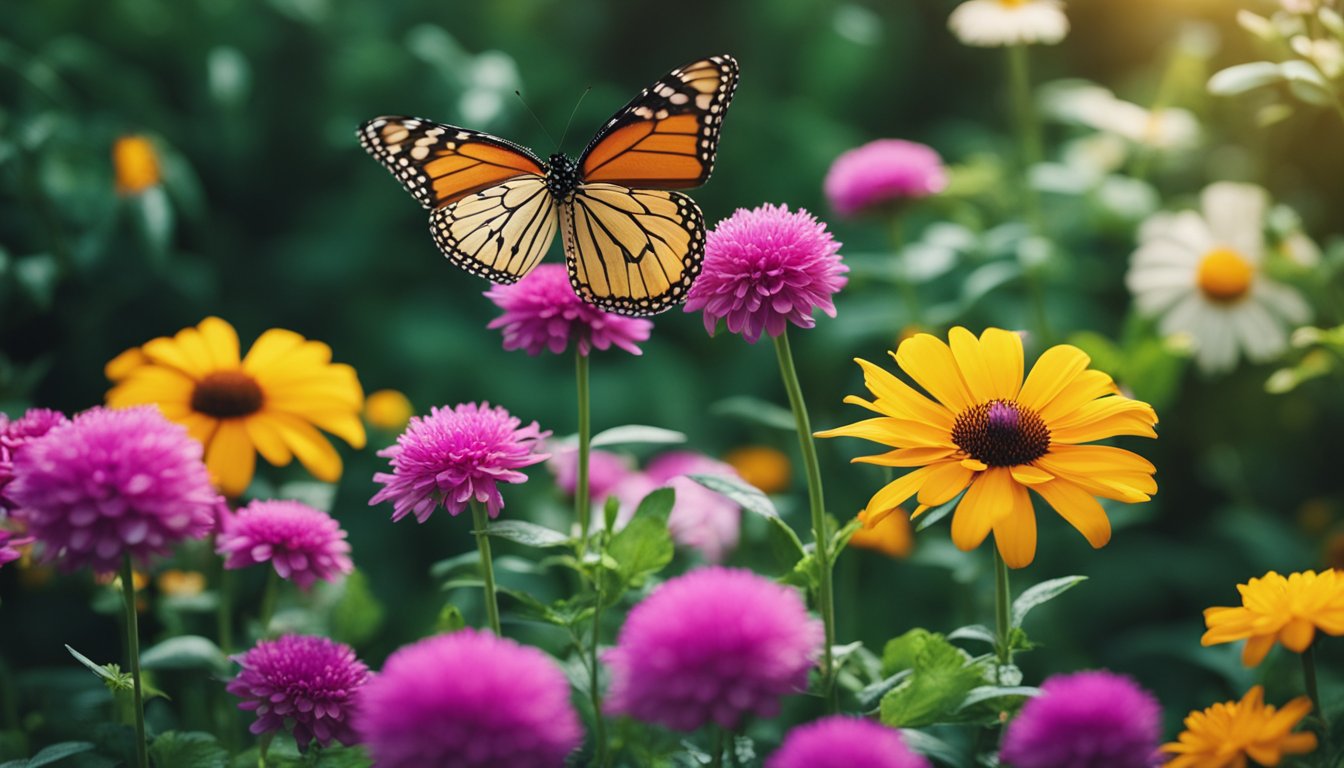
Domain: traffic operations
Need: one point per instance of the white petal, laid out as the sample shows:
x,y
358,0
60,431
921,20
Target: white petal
x,y
1261,335
1281,299
1236,216
1217,351
991,23
1165,252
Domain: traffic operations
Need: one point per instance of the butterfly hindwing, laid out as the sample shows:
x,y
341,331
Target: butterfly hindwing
x,y
441,164
667,136
632,251
500,232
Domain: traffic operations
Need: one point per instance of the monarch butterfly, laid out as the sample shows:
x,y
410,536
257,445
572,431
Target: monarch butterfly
x,y
633,244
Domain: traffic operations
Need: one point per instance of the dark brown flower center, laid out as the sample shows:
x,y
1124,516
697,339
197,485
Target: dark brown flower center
x,y
1001,433
227,395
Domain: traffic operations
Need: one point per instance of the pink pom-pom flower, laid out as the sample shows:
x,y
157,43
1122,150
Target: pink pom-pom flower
x,y
844,742
302,544
765,268
881,172
1094,719
14,434
542,312
714,645
111,483
471,700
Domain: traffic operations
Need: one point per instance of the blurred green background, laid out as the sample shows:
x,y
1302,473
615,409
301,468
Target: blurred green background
x,y
270,215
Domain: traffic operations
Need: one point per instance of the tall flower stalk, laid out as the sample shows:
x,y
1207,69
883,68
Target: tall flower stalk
x,y
817,505
479,524
583,510
132,629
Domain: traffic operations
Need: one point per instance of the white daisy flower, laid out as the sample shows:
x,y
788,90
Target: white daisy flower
x,y
1096,107
990,23
1201,274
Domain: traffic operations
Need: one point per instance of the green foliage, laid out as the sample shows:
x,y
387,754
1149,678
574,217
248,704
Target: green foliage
x,y
939,680
190,749
52,755
1040,594
357,615
527,534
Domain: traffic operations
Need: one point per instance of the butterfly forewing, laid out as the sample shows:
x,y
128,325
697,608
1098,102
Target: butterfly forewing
x,y
440,164
632,251
667,136
499,233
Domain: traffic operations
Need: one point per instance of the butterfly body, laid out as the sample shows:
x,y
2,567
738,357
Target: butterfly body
x,y
632,242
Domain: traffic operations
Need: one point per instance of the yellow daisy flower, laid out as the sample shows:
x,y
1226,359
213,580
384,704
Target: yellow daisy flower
x,y
994,436
1274,608
890,536
1226,734
272,402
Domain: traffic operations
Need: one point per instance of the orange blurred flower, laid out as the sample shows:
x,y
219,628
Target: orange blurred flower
x,y
890,535
762,466
136,164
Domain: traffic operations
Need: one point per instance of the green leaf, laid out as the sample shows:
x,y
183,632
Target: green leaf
x,y
932,516
58,752
756,411
450,619
841,538
872,693
191,749
1042,593
642,548
185,652
991,692
527,534
941,676
936,748
806,573
636,434
1244,77
357,614
739,492
657,504
97,669
973,632
342,757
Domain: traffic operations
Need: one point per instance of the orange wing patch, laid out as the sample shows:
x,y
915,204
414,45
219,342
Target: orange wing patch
x,y
441,164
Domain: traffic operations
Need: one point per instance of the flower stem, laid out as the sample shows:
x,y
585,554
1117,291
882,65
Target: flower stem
x,y
224,610
1032,152
825,597
1309,676
132,627
268,601
594,689
1002,600
480,521
716,753
583,506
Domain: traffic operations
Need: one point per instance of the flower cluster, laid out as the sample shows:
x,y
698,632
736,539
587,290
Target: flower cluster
x,y
35,423
1228,733
302,544
542,312
1278,609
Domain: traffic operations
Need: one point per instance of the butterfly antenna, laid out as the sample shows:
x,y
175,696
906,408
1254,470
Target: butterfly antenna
x,y
572,113
519,94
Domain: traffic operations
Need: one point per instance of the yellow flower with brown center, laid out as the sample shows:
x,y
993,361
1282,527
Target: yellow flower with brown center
x,y
890,536
388,409
1277,609
272,402
994,436
761,466
1226,734
135,163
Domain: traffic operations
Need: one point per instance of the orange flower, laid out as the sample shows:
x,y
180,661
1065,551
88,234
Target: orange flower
x,y
1274,608
388,409
136,164
890,535
761,466
1225,734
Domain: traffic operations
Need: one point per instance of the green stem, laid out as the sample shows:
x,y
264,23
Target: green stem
x,y
594,689
224,610
1032,152
1309,676
263,747
1002,600
583,505
480,521
133,657
825,597
911,297
268,601
716,755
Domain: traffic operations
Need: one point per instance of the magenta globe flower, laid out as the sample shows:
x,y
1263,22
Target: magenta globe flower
x,y
302,544
454,456
113,483
714,645
606,470
470,700
707,522
1092,719
542,312
301,683
766,268
881,172
844,742
9,546
14,434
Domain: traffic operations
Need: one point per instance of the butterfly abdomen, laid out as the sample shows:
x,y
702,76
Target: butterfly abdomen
x,y
562,176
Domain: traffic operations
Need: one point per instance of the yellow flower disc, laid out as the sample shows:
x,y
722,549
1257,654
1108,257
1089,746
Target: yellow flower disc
x,y
1225,275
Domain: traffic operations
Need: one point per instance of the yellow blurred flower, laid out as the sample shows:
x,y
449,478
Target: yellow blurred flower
x,y
136,164
272,402
1226,734
762,466
988,433
1274,608
388,409
890,535
181,583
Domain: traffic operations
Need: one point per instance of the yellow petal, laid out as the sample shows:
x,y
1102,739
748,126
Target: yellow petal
x,y
944,483
930,363
311,448
896,492
1029,475
121,366
272,346
1297,635
975,465
906,457
1057,367
296,361
168,352
1002,351
1015,532
974,371
1079,508
266,437
192,345
900,399
1107,417
1098,459
231,458
200,427
221,341
151,384
897,433
1089,386
990,494
1257,648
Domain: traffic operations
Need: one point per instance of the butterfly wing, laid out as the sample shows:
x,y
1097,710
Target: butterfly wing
x,y
632,251
500,232
666,137
441,164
